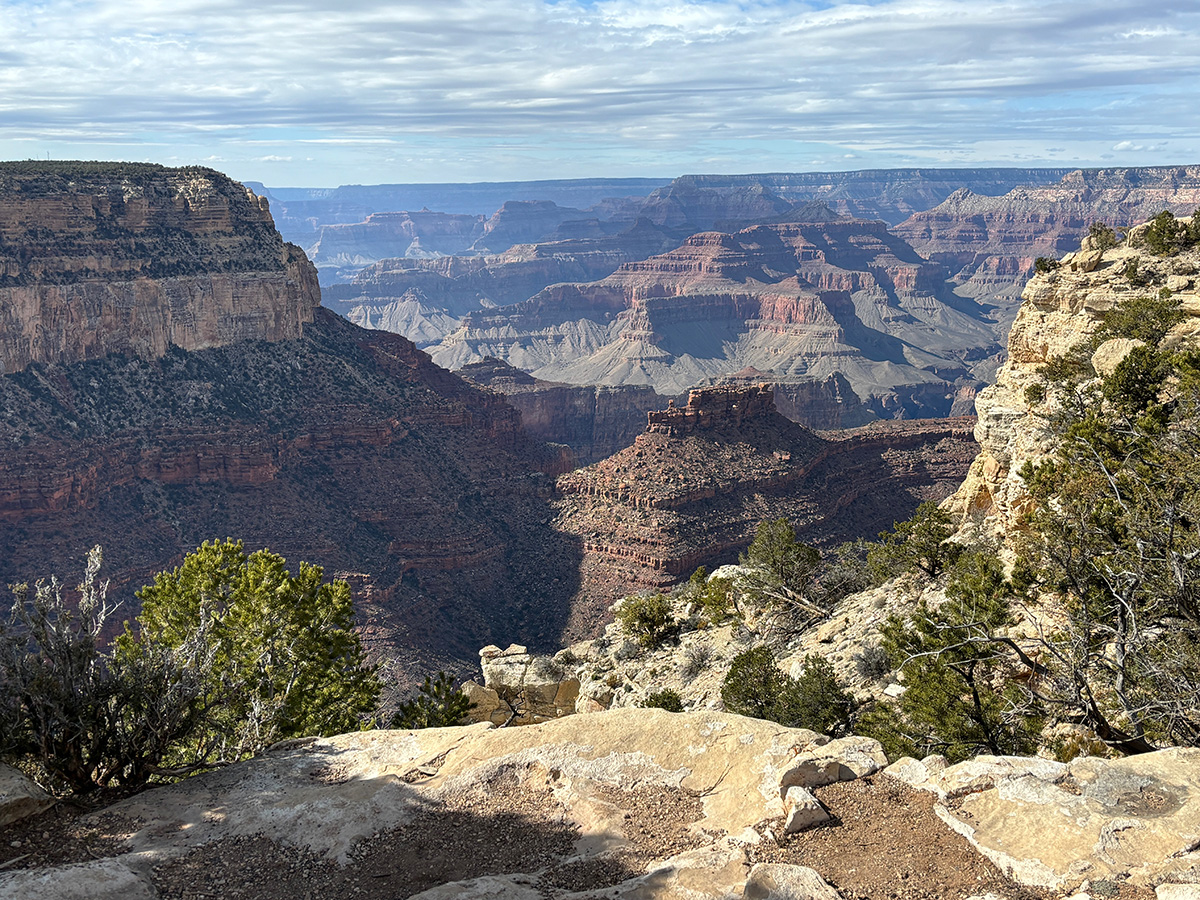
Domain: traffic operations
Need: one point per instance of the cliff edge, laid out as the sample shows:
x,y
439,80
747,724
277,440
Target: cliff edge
x,y
99,258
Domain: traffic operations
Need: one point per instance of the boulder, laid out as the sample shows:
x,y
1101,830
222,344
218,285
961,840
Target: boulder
x,y
105,879
528,689
841,760
19,796
803,810
778,881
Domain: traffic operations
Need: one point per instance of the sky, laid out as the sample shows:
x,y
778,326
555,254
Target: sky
x,y
306,94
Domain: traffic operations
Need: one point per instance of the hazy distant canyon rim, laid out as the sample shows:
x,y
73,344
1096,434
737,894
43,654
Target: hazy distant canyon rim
x,y
902,283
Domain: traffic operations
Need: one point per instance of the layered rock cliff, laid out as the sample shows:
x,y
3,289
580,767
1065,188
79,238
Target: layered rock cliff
x,y
99,258
1061,309
990,243
594,421
693,488
425,299
798,300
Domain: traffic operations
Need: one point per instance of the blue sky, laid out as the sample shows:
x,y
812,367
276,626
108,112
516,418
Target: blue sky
x,y
297,93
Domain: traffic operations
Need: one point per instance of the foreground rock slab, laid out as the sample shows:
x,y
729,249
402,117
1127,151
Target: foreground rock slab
x,y
1057,824
712,780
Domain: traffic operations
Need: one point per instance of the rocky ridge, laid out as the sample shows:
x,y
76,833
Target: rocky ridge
x,y
795,299
629,804
693,487
99,258
1061,309
425,299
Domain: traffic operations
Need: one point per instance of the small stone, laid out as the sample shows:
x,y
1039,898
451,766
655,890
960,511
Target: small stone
x,y
803,810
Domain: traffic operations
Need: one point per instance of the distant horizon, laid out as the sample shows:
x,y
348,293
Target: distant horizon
x,y
470,91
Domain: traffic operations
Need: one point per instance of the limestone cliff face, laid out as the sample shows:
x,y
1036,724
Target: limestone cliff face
x,y
1060,309
99,258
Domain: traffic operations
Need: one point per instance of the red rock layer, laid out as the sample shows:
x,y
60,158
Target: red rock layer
x,y
345,448
648,516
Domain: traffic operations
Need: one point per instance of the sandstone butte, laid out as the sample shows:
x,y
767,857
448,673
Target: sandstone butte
x,y
176,371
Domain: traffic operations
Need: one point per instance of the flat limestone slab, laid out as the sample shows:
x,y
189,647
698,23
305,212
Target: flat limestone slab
x,y
325,796
1054,824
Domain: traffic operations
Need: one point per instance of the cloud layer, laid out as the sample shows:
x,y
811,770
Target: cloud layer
x,y
295,92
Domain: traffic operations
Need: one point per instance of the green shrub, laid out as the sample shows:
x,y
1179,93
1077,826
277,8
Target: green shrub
x,y
1102,235
437,704
1165,235
717,600
647,618
665,699
286,661
1142,318
1044,264
816,700
953,658
755,686
921,543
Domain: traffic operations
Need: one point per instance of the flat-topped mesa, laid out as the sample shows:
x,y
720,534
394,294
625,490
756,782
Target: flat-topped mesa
x,y
99,258
713,407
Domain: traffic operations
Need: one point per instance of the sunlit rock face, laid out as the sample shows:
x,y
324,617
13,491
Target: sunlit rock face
x,y
99,258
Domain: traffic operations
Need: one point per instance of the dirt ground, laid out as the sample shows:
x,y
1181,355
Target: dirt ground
x,y
883,843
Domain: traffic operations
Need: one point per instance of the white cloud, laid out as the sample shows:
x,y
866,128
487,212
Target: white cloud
x,y
613,83
1140,148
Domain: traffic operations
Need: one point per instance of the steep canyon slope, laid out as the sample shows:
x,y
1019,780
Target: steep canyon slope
x,y
797,299
170,379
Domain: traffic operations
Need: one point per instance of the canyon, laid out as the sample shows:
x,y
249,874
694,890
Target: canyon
x,y
803,300
984,227
166,407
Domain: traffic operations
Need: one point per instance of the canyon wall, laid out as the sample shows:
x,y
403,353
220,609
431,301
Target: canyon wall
x,y
1061,309
594,421
99,258
693,487
797,300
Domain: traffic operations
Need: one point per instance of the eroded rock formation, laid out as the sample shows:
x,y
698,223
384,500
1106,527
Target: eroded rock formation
x,y
794,299
345,448
99,258
1060,309
695,485
425,299
990,243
